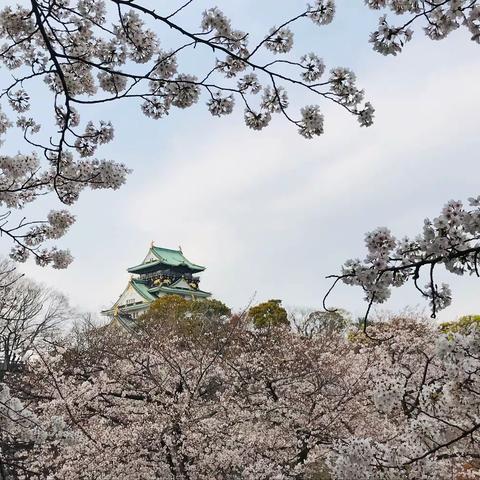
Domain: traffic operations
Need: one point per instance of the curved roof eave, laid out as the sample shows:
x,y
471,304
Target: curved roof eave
x,y
143,266
181,291
142,290
178,258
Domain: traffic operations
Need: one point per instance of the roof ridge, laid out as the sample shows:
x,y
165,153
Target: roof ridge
x,y
169,249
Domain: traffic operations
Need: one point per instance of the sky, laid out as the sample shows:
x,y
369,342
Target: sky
x,y
269,213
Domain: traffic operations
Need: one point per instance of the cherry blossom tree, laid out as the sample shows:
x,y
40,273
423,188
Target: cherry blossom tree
x,y
29,319
422,404
232,403
450,240
18,428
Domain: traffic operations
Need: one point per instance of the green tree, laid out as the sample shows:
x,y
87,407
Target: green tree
x,y
210,308
462,325
167,307
268,314
187,317
309,323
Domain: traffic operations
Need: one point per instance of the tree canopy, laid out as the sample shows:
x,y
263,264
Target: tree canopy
x,y
268,314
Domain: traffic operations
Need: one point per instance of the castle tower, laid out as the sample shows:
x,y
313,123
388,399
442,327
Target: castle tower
x,y
162,272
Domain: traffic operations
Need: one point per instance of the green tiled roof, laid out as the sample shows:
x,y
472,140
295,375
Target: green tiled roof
x,y
143,267
175,258
142,289
168,257
181,291
126,322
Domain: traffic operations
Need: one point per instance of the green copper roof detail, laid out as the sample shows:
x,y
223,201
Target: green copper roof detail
x,y
126,322
144,266
168,257
174,258
142,289
180,291
163,271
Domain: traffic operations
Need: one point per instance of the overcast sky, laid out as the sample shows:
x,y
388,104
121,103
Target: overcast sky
x,y
269,213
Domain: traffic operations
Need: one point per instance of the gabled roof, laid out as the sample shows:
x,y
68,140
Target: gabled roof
x,y
142,291
167,257
181,283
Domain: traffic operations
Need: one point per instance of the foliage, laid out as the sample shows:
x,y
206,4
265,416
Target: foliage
x,y
423,406
90,53
316,322
268,314
29,316
398,400
186,316
462,325
209,308
29,319
168,306
237,404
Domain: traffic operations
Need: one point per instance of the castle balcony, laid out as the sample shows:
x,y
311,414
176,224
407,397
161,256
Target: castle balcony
x,y
150,278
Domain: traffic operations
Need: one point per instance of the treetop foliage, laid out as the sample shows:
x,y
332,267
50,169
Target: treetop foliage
x,y
187,317
462,325
268,314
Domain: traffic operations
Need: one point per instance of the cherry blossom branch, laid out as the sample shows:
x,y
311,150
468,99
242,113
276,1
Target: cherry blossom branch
x,y
451,240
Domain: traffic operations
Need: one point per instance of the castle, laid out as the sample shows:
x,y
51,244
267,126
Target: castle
x,y
162,272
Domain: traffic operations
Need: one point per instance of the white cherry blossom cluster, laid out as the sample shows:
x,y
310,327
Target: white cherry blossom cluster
x,y
400,402
322,11
33,235
440,18
451,240
215,20
389,40
280,40
249,83
87,143
58,222
16,419
314,67
423,403
220,105
312,121
231,403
